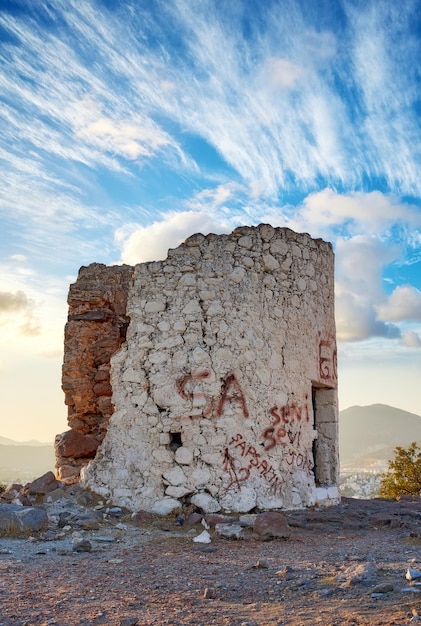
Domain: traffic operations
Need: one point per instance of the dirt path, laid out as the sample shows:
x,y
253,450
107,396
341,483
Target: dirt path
x,y
328,573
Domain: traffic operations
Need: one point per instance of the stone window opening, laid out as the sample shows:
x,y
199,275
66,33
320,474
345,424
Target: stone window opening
x,y
175,441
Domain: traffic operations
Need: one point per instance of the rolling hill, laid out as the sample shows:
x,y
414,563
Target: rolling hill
x,y
22,462
369,434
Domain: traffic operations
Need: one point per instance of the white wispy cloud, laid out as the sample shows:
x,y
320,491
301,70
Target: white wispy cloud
x,y
32,311
411,339
16,311
151,243
358,288
268,103
371,212
382,48
369,232
404,304
78,102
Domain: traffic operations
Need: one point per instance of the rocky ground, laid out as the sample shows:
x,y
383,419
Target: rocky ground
x,y
357,563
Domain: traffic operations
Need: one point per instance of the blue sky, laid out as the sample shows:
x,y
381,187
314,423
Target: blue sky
x,y
126,127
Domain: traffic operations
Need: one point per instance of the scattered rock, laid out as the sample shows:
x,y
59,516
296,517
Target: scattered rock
x,y
114,511
166,506
272,525
383,588
17,519
44,484
204,537
308,574
88,521
248,519
194,518
209,593
128,621
82,545
230,531
11,492
358,573
22,499
205,502
214,519
64,518
260,565
143,517
412,574
53,496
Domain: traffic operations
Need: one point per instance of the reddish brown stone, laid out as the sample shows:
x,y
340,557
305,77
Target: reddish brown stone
x,y
194,518
103,389
102,375
44,484
143,517
213,518
272,525
11,492
75,444
96,327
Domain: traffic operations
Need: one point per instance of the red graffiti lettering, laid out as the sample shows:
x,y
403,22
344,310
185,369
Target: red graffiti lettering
x,y
242,445
252,452
289,416
290,460
294,437
264,467
268,436
328,361
185,386
246,472
189,387
238,475
232,392
229,466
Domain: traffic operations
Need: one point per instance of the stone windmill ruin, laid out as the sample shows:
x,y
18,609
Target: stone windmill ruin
x,y
207,378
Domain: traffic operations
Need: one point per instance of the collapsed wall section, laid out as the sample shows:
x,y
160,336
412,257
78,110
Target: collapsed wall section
x,y
96,328
224,393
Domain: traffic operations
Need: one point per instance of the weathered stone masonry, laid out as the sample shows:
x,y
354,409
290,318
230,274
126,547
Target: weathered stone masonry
x,y
224,390
95,330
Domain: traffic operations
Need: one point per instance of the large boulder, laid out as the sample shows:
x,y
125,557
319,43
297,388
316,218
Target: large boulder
x,y
44,484
272,525
75,444
18,520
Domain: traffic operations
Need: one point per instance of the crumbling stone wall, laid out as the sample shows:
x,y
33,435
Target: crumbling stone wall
x,y
224,393
96,327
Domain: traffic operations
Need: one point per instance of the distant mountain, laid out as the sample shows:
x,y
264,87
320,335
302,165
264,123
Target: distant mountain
x,y
368,435
32,442
22,462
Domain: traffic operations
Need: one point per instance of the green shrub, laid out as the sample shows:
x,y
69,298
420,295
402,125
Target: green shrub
x,y
403,476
